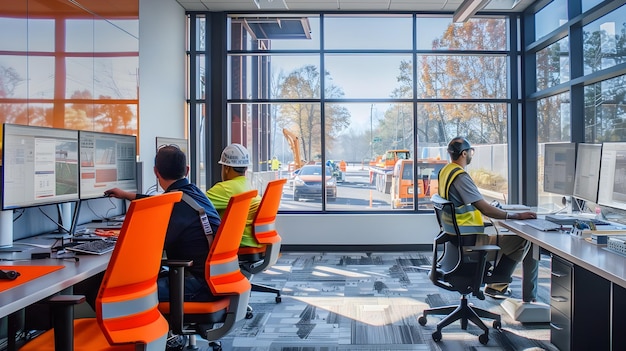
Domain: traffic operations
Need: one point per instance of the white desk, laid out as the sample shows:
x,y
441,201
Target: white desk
x,y
21,296
593,312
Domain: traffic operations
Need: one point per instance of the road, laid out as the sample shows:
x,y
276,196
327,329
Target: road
x,y
354,194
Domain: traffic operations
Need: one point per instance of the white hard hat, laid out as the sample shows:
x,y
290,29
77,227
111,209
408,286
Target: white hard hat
x,y
235,155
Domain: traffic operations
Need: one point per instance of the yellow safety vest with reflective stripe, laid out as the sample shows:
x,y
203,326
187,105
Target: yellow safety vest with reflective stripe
x,y
468,217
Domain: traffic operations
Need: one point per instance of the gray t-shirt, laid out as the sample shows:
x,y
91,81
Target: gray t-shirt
x,y
463,191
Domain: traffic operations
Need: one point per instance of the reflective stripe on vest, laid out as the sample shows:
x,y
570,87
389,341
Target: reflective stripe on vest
x,y
468,217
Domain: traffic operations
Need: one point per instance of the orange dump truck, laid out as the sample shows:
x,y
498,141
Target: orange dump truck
x,y
381,170
402,187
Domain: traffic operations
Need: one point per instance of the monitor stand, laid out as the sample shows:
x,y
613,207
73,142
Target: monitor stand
x,y
64,230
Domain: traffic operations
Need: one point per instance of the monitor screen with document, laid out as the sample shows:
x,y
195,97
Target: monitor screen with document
x,y
587,177
612,188
559,168
40,166
107,161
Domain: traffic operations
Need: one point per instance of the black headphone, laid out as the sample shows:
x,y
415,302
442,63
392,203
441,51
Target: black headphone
x,y
457,146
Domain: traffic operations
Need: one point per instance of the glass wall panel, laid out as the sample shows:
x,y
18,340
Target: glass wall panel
x,y
40,114
18,27
40,35
200,147
462,76
553,125
312,22
115,118
14,70
14,113
116,35
605,110
116,77
550,18
275,32
379,32
484,125
80,115
604,45
290,76
365,116
553,119
373,130
368,76
201,71
80,79
41,77
49,74
553,65
79,35
200,34
587,4
440,33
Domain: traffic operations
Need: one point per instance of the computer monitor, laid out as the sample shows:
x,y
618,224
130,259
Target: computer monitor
x,y
612,188
587,176
559,168
106,161
180,142
40,166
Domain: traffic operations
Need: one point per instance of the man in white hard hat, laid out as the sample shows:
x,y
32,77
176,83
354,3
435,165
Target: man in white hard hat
x,y
235,160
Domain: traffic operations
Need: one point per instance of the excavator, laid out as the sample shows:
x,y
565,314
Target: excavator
x,y
294,144
298,162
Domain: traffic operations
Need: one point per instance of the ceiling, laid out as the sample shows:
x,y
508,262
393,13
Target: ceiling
x,y
346,5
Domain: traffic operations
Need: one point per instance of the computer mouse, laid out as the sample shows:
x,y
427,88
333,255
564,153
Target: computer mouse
x,y
8,274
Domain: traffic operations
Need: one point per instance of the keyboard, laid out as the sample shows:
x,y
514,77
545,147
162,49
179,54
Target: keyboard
x,y
570,220
94,247
540,224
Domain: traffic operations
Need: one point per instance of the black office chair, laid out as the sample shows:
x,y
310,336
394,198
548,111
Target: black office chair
x,y
460,267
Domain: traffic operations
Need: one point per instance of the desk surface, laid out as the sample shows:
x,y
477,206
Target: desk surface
x,y
594,258
30,292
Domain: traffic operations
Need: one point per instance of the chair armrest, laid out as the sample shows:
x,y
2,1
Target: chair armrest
x,y
62,308
176,277
176,263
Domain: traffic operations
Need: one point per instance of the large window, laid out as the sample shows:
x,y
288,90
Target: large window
x,y
69,67
579,95
372,99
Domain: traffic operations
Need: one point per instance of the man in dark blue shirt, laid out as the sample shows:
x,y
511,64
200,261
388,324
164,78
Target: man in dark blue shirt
x,y
186,237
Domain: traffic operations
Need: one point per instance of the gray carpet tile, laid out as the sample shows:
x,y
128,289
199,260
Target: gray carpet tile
x,y
370,302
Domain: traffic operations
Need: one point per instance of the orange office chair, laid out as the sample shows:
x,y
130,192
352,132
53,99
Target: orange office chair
x,y
127,317
253,260
212,320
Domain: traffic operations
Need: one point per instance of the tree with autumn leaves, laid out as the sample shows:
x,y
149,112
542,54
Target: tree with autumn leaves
x,y
305,118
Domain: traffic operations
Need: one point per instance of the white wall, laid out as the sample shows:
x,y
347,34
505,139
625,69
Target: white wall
x,y
357,229
162,107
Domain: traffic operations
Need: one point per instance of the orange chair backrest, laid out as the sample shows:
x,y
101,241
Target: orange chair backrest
x,y
265,220
222,266
126,306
